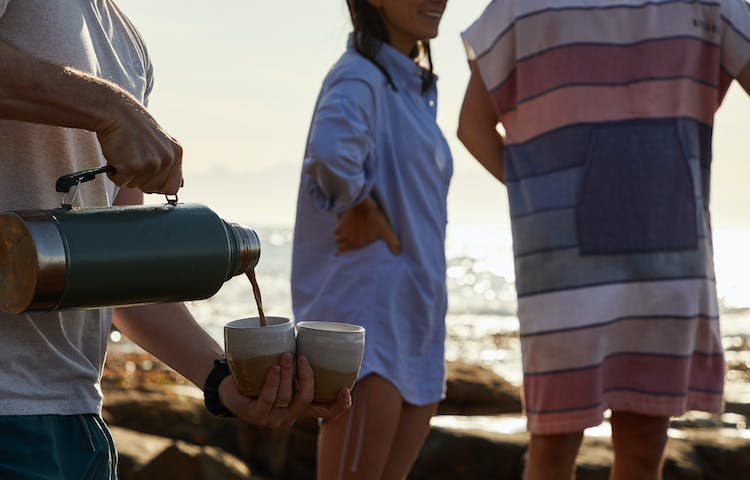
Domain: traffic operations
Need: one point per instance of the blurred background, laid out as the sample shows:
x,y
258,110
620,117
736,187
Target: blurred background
x,y
236,82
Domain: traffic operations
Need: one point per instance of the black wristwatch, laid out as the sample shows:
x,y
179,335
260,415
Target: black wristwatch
x,y
211,390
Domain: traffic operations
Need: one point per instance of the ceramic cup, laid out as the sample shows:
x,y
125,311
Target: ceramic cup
x,y
252,350
335,354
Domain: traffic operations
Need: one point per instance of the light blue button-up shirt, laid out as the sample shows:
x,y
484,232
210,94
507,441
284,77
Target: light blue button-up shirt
x,y
368,138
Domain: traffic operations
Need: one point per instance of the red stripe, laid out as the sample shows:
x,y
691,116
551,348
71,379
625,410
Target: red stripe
x,y
572,105
649,375
608,64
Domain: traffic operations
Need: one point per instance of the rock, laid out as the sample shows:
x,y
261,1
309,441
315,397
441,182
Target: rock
x,y
458,454
285,453
191,462
466,446
148,457
475,390
721,453
135,450
169,415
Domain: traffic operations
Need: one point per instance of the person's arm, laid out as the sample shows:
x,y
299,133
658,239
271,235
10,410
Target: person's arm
x,y
335,168
477,126
170,333
143,154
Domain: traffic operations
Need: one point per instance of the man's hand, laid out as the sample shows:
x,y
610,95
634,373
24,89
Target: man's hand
x,y
362,225
277,406
143,154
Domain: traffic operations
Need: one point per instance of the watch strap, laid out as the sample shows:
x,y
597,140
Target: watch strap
x,y
211,390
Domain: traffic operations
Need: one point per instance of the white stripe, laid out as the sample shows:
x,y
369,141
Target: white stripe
x,y
587,306
583,348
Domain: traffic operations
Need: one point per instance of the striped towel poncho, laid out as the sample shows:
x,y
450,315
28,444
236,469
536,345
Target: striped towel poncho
x,y
608,109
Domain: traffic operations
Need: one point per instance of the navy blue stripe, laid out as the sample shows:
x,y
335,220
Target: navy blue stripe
x,y
567,146
706,390
541,210
497,40
649,392
616,282
546,250
545,191
592,8
645,392
681,318
576,246
502,84
564,410
561,207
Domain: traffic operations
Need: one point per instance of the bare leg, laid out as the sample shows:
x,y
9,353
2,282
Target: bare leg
x,y
639,442
413,427
356,446
552,457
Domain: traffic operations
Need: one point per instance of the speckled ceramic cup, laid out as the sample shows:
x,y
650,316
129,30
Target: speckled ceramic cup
x,y
335,354
252,350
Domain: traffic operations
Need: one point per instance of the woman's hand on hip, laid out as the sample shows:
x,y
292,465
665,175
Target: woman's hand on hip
x,y
362,225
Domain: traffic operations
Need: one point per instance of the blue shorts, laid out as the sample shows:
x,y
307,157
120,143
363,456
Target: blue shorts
x,y
59,447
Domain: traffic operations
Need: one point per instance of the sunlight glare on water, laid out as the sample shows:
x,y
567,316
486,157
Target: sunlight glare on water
x,y
732,264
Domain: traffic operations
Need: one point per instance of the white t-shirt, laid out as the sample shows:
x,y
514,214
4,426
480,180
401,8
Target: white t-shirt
x,y
51,363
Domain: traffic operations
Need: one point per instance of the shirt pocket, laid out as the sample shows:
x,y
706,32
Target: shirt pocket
x,y
637,192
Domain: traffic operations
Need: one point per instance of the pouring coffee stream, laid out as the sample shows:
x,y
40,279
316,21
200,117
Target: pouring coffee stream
x,y
258,301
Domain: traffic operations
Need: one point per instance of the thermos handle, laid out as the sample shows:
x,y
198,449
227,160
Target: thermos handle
x,y
66,182
75,179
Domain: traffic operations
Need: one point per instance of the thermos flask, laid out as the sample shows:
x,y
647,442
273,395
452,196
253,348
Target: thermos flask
x,y
98,257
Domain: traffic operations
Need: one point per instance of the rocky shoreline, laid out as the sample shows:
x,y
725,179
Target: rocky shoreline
x,y
162,430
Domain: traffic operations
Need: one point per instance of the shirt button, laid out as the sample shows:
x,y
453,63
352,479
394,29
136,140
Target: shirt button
x,y
431,103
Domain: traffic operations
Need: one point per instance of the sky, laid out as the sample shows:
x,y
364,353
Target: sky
x,y
236,82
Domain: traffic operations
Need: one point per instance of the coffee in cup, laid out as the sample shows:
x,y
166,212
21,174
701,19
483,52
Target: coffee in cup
x,y
335,354
253,349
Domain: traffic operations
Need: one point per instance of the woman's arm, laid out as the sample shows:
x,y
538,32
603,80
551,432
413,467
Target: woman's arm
x,y
342,135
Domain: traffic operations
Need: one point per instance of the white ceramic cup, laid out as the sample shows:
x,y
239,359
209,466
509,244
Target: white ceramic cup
x,y
335,354
252,350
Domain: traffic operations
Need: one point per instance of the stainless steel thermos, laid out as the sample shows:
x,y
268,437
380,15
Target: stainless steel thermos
x,y
97,257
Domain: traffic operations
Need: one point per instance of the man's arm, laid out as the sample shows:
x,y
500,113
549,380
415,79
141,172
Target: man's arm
x,y
35,91
477,126
169,332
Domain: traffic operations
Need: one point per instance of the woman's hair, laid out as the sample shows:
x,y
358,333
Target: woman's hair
x,y
370,33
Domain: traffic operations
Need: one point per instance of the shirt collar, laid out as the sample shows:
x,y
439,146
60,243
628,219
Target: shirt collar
x,y
404,71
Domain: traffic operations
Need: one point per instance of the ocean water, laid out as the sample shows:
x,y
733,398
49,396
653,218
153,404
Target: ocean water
x,y
481,323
